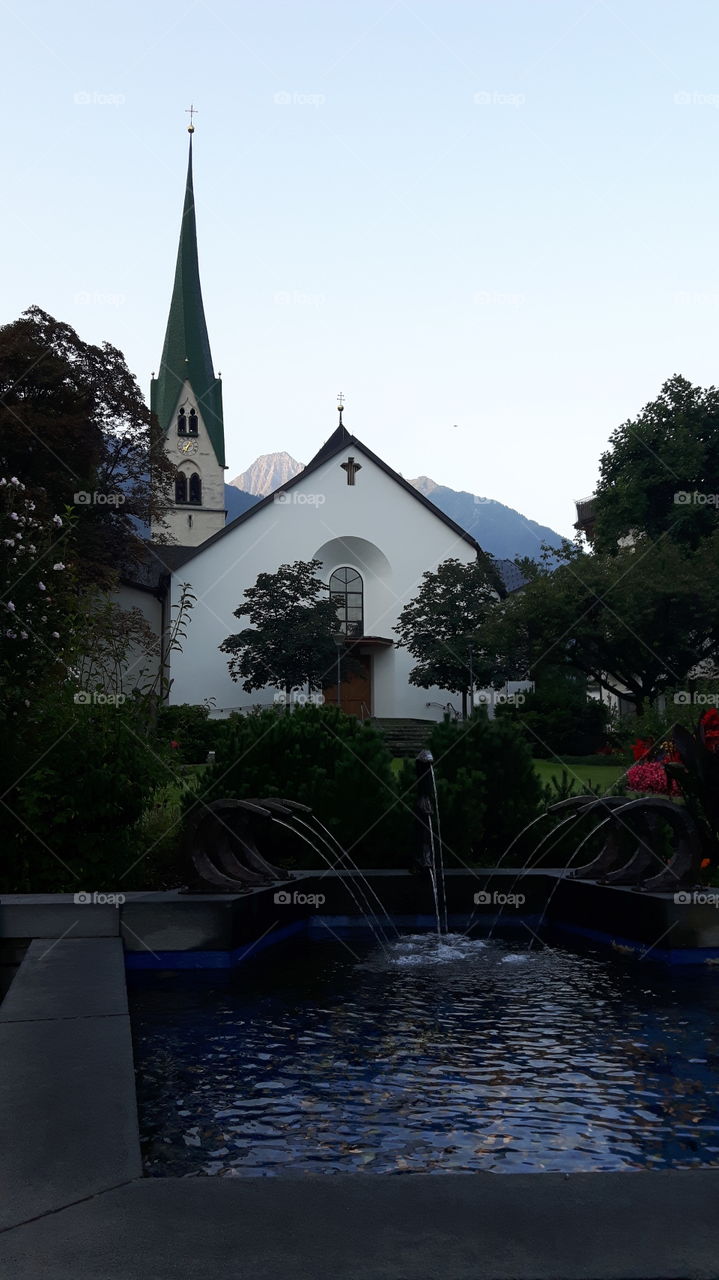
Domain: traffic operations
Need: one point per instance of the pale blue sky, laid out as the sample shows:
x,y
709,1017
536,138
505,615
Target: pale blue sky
x,y
500,215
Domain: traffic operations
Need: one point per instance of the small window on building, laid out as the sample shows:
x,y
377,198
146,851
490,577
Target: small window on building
x,y
347,592
181,488
192,423
195,489
181,423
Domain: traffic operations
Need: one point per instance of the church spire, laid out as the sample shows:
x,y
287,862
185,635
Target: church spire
x,y
186,356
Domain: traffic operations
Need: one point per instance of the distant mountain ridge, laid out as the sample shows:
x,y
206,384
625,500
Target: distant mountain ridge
x,y
500,530
503,532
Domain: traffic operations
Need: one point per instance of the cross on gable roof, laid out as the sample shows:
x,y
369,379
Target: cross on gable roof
x,y
338,443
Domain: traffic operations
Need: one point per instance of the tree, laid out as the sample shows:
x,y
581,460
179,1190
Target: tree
x,y
75,429
289,643
635,621
441,627
660,476
557,717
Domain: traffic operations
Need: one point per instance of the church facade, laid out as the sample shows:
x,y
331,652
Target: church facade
x,y
373,533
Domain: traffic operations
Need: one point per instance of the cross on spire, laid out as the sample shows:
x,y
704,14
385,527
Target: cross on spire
x,y
340,405
191,111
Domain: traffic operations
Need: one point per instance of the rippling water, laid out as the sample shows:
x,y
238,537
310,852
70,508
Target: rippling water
x,y
440,1057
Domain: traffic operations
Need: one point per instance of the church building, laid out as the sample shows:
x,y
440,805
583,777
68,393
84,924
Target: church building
x,y
374,534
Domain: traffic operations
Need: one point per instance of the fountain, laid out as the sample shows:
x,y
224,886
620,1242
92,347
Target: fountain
x,y
428,854
220,840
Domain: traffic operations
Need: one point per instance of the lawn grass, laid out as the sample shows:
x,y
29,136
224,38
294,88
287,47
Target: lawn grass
x,y
602,774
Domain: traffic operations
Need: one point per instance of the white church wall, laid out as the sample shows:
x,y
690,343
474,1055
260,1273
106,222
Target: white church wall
x,y
374,526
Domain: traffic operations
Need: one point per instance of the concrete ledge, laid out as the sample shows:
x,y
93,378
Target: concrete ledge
x,y
55,916
68,1110
627,1226
68,979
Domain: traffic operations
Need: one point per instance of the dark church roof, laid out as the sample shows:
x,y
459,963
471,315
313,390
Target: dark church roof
x,y
339,439
186,353
154,563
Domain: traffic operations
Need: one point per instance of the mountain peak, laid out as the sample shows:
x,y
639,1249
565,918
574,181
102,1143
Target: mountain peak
x,y
424,484
267,473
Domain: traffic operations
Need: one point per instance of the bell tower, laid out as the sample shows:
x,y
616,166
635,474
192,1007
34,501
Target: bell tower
x,y
186,397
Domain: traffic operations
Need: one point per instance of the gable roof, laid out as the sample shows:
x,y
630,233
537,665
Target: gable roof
x,y
340,440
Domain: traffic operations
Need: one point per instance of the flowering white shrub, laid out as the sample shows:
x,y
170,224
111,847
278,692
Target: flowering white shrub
x,y
34,618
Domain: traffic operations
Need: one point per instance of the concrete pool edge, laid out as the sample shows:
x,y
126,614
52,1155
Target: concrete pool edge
x,y
627,1226
76,1202
226,927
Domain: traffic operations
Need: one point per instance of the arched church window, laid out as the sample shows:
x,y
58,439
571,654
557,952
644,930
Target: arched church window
x,y
192,423
195,489
347,592
181,423
181,488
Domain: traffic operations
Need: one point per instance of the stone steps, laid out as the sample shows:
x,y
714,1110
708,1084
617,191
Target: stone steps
x,y
405,738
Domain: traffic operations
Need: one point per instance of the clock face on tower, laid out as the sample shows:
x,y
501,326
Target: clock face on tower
x,y
187,446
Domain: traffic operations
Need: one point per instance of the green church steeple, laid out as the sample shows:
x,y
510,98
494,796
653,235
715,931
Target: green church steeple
x,y
186,354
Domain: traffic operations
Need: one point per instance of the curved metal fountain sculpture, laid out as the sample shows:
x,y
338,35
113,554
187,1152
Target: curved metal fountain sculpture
x,y
220,841
693,764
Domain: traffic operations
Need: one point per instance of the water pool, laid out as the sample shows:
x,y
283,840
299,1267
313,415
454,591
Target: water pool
x,y
328,1057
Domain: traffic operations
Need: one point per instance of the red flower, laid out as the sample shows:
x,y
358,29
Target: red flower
x,y
651,778
709,723
640,747
174,744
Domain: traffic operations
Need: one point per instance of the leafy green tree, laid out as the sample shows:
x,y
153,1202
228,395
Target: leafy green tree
x,y
73,422
660,476
557,718
289,643
442,627
635,621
